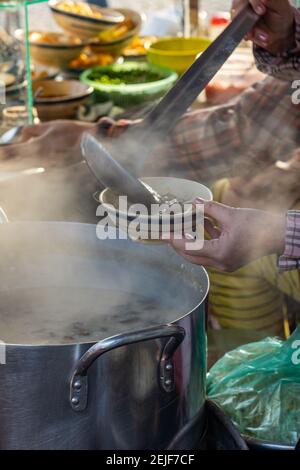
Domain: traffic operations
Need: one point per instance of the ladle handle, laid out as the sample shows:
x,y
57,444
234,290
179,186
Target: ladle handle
x,y
79,380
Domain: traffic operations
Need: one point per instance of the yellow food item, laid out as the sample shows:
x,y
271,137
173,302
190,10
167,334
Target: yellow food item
x,y
39,75
139,46
88,59
80,8
117,32
54,39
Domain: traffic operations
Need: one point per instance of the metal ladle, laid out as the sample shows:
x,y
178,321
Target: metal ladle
x,y
163,117
114,176
9,136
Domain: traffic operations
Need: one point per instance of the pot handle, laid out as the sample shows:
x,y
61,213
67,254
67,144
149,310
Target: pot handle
x,y
79,380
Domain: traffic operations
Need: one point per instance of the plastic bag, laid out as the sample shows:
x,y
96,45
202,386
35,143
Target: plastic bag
x,y
258,387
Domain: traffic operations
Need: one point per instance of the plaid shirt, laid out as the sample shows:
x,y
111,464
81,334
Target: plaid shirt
x,y
241,139
286,67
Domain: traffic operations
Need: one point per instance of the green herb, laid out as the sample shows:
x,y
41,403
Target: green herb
x,y
125,77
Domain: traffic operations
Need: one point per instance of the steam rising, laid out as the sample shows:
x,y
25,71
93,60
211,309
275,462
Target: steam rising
x,y
60,284
196,149
241,139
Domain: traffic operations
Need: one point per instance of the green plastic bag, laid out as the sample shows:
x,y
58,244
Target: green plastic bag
x,y
258,387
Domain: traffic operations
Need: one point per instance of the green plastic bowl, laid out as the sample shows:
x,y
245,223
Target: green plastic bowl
x,y
132,94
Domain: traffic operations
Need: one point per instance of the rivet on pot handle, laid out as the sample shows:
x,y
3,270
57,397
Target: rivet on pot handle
x,y
79,380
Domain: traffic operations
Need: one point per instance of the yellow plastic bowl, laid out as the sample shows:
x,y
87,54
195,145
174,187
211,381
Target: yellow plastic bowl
x,y
177,54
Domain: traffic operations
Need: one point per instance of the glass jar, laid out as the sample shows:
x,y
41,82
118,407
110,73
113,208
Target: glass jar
x,y
194,18
15,76
15,116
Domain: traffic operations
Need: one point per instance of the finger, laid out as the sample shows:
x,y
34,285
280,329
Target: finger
x,y
34,130
217,211
106,127
209,249
179,244
36,134
261,35
259,6
17,151
211,229
200,261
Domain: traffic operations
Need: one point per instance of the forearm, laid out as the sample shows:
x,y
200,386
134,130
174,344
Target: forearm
x,y
286,65
204,144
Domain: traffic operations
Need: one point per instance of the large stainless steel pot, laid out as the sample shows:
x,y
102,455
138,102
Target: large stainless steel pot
x,y
124,388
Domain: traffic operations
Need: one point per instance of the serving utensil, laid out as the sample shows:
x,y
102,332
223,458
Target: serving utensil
x,y
165,115
9,136
112,175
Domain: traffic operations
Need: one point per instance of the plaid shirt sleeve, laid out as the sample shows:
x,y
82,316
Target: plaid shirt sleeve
x,y
291,257
284,66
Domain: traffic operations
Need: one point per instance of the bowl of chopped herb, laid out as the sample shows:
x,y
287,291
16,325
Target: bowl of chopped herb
x,y
130,83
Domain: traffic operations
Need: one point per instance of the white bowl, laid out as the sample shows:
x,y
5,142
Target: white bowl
x,y
151,224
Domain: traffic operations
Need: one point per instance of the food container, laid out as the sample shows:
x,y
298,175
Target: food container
x,y
59,99
52,49
14,60
82,19
177,54
17,116
150,226
111,353
125,95
115,43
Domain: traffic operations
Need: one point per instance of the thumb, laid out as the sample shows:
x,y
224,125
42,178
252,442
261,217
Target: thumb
x,y
217,211
33,130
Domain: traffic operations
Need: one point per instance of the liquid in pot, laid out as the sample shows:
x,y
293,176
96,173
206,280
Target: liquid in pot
x,y
74,315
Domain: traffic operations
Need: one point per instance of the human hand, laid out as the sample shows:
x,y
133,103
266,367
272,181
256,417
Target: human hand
x,y
54,143
275,31
242,235
108,127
